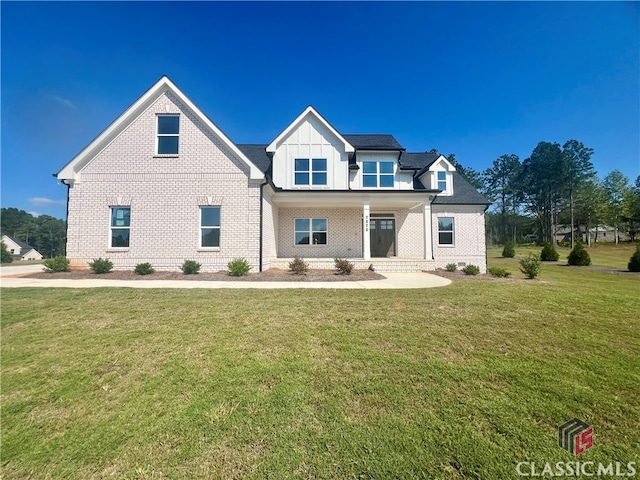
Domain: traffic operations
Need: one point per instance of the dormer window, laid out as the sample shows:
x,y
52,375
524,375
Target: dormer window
x,y
168,133
442,180
377,174
310,171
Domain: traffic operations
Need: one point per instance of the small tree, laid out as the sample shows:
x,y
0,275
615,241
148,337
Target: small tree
x,y
6,256
579,256
509,250
549,254
634,261
530,265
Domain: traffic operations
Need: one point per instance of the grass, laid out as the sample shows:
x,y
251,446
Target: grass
x,y
457,382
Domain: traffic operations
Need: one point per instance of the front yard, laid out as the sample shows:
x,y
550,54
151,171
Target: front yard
x,y
463,381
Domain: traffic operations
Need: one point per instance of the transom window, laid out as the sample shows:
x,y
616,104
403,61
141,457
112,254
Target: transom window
x,y
312,170
168,133
120,227
209,226
377,174
445,231
311,231
442,180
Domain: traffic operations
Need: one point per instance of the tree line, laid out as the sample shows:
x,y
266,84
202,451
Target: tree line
x,y
555,186
45,233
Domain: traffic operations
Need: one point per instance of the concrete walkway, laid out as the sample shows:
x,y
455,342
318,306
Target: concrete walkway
x,y
10,278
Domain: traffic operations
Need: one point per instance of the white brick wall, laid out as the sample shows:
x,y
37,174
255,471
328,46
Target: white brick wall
x,y
164,194
469,237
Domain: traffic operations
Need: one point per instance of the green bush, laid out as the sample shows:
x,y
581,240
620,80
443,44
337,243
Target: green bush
x,y
190,267
509,250
471,270
451,267
499,272
6,255
579,256
634,261
298,266
56,264
144,269
530,265
343,266
548,253
101,265
238,267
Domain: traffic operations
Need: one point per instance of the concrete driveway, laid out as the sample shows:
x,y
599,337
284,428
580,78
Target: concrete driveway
x,y
10,277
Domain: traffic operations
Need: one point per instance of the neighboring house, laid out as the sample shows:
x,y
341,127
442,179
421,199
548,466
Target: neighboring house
x,y
163,184
21,250
599,233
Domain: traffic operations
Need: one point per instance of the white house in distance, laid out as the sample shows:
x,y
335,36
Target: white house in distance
x,y
163,184
21,250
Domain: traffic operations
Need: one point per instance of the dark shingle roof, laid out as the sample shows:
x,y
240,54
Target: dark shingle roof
x,y
463,194
373,141
417,161
24,246
257,154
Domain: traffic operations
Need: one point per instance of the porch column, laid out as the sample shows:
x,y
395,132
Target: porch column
x,y
366,237
428,244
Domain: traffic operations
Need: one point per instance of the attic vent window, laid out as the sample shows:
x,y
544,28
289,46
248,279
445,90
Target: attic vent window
x,y
442,181
168,133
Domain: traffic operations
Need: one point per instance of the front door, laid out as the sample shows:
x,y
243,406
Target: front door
x,y
383,237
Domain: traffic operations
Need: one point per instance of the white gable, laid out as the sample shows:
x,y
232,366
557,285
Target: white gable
x,y
310,137
432,179
70,172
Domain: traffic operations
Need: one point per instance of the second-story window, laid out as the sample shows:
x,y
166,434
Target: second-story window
x,y
310,171
168,133
377,174
442,180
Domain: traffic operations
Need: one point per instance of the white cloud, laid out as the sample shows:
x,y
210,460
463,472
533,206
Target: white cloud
x,y
42,201
64,101
35,214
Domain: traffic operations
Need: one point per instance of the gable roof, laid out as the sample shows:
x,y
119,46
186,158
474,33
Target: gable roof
x,y
417,161
73,167
463,194
309,111
20,243
257,153
368,141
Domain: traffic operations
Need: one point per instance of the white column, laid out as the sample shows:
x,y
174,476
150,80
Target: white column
x,y
366,235
428,251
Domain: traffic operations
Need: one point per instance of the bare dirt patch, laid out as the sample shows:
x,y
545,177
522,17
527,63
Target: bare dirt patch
x,y
271,275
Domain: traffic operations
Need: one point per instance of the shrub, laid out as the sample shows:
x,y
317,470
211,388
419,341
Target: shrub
x,y
101,265
451,267
530,265
634,261
579,256
6,255
509,250
298,266
471,270
190,267
548,253
144,269
238,267
499,272
56,264
343,266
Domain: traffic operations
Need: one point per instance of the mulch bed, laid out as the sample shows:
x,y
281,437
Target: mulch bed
x,y
271,275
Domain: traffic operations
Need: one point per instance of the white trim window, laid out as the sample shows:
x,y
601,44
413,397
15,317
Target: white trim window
x,y
168,134
120,227
209,227
441,177
310,169
310,231
377,174
445,231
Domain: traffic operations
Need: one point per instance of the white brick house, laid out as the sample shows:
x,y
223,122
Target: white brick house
x,y
163,184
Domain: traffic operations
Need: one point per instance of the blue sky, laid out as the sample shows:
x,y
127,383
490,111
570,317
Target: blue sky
x,y
476,79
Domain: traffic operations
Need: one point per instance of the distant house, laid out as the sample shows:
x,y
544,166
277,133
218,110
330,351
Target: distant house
x,y
163,184
599,233
21,250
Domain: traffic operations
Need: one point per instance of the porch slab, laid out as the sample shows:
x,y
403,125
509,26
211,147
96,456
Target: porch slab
x,y
380,265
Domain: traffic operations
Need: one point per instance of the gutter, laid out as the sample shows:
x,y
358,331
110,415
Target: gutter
x,y
66,219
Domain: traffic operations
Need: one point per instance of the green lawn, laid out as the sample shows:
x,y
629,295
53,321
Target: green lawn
x,y
463,381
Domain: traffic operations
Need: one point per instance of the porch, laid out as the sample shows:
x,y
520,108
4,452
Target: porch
x,y
380,265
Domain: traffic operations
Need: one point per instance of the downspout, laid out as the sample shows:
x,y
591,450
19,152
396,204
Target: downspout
x,y
261,227
66,219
